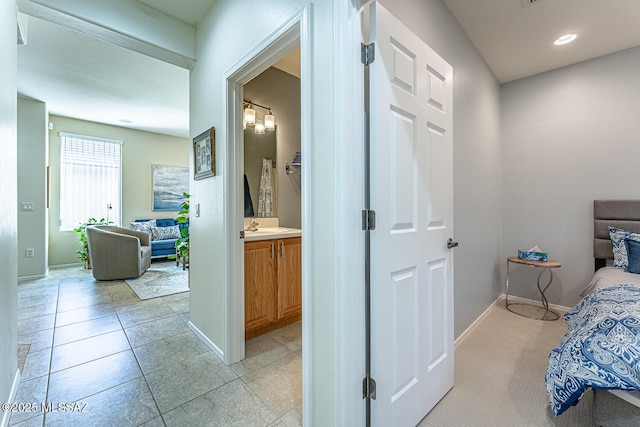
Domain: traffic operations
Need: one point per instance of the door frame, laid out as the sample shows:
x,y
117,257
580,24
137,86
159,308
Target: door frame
x,y
346,139
273,48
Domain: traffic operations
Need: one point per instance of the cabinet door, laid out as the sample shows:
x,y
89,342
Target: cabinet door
x,y
289,277
259,284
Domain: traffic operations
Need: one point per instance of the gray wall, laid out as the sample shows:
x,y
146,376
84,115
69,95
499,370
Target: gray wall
x,y
8,207
281,91
570,136
477,153
32,181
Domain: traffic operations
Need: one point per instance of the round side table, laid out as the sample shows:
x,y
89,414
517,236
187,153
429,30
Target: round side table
x,y
536,312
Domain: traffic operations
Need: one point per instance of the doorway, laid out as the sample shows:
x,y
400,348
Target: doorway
x,y
289,37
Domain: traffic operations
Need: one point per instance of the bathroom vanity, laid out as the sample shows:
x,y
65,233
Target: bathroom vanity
x,y
272,279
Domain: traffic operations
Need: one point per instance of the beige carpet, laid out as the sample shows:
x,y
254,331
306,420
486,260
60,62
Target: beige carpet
x,y
499,377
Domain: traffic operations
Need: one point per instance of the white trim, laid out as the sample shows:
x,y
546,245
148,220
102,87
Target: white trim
x,y
92,138
273,48
35,277
475,323
206,341
348,118
12,397
306,132
59,266
556,307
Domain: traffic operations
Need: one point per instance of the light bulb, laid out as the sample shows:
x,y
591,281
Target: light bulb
x,y
567,38
269,121
259,128
250,116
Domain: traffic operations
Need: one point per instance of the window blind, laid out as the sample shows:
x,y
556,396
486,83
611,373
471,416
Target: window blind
x,y
90,179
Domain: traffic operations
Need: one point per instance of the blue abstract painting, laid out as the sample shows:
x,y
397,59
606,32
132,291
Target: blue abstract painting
x,y
169,185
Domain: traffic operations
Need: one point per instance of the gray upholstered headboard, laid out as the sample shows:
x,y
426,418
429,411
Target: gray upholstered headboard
x,y
623,214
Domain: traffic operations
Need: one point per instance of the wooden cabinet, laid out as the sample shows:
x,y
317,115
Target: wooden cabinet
x,y
289,277
259,284
272,284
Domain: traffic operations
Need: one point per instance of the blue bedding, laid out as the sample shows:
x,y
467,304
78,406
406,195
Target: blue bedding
x,y
601,348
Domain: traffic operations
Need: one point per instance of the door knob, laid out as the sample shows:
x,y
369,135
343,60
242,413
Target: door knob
x,y
451,244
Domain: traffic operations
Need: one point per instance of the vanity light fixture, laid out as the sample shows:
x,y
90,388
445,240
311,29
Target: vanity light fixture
x,y
566,39
250,116
269,121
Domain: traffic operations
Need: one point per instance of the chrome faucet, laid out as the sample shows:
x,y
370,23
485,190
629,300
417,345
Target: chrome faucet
x,y
253,226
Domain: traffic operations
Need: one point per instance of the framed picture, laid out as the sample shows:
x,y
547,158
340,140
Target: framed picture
x,y
204,154
169,185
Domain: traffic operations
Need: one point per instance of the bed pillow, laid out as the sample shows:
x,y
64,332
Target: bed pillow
x,y
164,233
143,226
618,237
633,256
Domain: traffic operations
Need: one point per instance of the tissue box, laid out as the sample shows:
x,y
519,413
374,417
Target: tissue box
x,y
533,256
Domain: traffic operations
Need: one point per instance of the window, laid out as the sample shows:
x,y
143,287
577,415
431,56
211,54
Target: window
x,y
90,179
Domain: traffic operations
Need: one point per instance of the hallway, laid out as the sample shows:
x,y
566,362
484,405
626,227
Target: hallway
x,y
129,362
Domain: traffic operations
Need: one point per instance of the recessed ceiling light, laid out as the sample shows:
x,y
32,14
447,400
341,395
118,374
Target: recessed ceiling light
x,y
567,38
125,121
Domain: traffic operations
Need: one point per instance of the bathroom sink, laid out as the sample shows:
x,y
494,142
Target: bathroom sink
x,y
266,233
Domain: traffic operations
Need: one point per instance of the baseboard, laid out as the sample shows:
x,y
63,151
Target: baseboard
x,y
35,277
475,324
207,341
75,264
560,308
12,397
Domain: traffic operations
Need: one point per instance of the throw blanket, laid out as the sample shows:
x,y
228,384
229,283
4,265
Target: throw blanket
x,y
601,348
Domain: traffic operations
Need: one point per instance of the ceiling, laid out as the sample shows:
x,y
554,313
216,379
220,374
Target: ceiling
x,y
516,41
90,79
86,78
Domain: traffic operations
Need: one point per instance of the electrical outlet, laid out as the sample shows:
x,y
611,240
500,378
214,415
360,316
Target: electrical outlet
x,y
29,253
27,206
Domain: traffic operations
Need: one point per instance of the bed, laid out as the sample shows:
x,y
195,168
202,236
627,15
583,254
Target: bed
x,y
601,349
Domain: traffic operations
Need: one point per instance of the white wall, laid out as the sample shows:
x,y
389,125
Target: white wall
x,y
570,136
139,151
228,32
8,207
281,91
32,179
476,156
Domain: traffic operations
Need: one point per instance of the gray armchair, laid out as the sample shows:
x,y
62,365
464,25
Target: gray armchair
x,y
118,253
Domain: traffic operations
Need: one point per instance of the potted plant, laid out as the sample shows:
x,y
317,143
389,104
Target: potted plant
x,y
182,244
83,252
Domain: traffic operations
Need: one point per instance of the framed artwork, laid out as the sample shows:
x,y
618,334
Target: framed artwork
x,y
169,185
204,154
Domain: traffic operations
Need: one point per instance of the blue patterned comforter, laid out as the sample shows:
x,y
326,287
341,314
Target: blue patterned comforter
x,y
601,348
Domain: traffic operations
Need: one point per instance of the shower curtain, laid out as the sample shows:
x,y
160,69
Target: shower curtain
x,y
265,199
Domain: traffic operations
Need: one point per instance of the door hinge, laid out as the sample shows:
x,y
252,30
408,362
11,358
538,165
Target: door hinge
x,y
368,388
367,53
242,234
368,220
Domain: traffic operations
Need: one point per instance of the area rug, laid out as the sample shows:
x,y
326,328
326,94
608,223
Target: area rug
x,y
160,280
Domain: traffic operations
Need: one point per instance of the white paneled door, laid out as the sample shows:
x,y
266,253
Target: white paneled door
x,y
411,97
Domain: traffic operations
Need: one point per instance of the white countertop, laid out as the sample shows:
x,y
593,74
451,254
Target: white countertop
x,y
268,233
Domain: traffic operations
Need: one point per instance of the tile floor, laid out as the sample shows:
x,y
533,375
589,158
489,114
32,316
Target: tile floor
x,y
128,362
